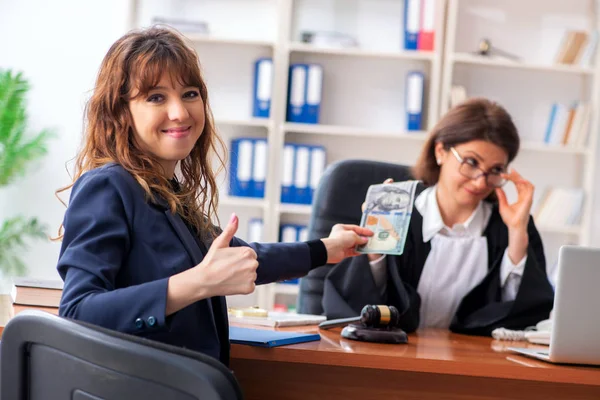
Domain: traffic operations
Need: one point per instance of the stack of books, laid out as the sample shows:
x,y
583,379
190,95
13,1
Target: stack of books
x,y
39,294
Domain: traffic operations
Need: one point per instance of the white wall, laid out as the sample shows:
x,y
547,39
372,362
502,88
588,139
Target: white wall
x,y
58,45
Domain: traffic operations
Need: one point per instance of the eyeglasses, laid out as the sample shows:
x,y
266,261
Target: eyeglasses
x,y
469,169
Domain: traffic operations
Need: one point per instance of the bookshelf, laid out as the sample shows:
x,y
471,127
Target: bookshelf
x,y
527,87
362,113
362,108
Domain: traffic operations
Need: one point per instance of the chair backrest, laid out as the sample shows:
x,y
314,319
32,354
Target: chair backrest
x,y
43,356
338,199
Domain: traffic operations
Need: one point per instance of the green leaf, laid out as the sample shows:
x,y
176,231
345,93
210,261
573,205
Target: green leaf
x,y
17,151
12,243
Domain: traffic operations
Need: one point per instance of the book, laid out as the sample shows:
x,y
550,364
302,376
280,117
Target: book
x,y
17,308
278,319
6,309
36,292
268,338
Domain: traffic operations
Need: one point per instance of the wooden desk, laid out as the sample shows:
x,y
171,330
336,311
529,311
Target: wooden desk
x,y
433,365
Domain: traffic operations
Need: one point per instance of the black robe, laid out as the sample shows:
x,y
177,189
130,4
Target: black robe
x,y
350,285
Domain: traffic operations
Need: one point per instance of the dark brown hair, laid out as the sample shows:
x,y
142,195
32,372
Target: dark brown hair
x,y
133,65
475,119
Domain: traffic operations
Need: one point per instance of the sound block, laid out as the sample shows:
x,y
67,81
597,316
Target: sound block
x,y
375,335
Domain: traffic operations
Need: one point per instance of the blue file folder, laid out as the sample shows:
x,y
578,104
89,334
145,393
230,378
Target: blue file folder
x,y
412,23
268,338
415,88
263,77
287,180
314,86
296,106
240,168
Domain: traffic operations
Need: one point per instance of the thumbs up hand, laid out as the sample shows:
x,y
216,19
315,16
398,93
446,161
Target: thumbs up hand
x,y
228,270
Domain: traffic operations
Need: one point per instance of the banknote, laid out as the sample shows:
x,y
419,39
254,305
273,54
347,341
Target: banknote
x,y
388,208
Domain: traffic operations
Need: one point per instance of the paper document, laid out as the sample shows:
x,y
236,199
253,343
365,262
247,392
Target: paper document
x,y
276,319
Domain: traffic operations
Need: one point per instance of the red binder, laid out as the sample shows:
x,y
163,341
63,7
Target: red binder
x,y
425,40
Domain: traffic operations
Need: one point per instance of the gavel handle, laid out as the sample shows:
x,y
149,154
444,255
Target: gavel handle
x,y
333,323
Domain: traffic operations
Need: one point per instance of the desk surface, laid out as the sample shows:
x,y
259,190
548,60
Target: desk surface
x,y
429,351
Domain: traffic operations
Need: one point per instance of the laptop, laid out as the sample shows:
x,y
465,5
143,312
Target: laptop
x,y
575,323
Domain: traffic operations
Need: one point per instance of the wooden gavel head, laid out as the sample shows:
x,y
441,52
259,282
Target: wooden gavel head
x,y
373,316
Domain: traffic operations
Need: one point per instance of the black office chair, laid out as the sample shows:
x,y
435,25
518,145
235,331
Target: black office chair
x,y
47,357
338,199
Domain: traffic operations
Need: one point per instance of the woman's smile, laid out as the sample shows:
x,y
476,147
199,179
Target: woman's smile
x,y
178,132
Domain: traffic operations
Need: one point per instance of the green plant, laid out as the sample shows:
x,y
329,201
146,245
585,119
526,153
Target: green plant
x,y
16,152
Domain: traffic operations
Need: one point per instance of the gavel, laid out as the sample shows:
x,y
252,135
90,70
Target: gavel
x,y
371,316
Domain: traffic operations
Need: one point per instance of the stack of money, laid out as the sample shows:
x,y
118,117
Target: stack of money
x,y
387,212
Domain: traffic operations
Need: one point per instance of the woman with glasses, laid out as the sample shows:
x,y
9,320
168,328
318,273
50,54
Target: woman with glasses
x,y
472,262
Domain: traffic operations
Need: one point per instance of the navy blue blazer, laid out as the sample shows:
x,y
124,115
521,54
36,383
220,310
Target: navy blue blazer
x,y
119,251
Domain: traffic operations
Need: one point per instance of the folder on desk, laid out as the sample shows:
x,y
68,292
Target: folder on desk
x,y
268,338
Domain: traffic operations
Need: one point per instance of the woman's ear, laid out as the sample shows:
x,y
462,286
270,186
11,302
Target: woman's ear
x,y
440,153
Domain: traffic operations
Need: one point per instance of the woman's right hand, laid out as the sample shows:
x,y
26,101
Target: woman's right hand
x,y
373,256
224,271
227,270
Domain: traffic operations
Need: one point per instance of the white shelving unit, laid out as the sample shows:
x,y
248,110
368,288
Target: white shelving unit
x,y
533,31
362,109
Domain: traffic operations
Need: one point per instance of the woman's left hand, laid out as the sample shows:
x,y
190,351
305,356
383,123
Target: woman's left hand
x,y
516,215
342,241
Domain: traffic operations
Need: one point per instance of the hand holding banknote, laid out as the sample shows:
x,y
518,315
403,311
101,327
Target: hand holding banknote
x,y
387,211
374,256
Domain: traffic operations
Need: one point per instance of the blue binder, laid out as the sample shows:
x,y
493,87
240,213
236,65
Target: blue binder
x,y
297,93
302,175
263,79
255,230
268,338
240,167
259,168
302,233
287,179
412,23
318,159
288,233
314,88
415,87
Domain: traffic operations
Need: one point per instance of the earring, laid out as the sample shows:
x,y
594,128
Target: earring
x,y
439,161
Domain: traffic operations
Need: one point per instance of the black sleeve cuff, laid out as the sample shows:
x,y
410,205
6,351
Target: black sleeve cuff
x,y
318,253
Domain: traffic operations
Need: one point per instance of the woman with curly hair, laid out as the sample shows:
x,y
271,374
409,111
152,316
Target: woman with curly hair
x,y
140,253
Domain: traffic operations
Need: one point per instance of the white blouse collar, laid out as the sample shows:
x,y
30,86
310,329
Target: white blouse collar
x,y
426,203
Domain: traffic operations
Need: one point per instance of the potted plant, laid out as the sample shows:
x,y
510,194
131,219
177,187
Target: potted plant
x,y
17,151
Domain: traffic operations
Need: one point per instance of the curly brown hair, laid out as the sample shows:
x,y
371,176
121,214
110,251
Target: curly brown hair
x,y
135,64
